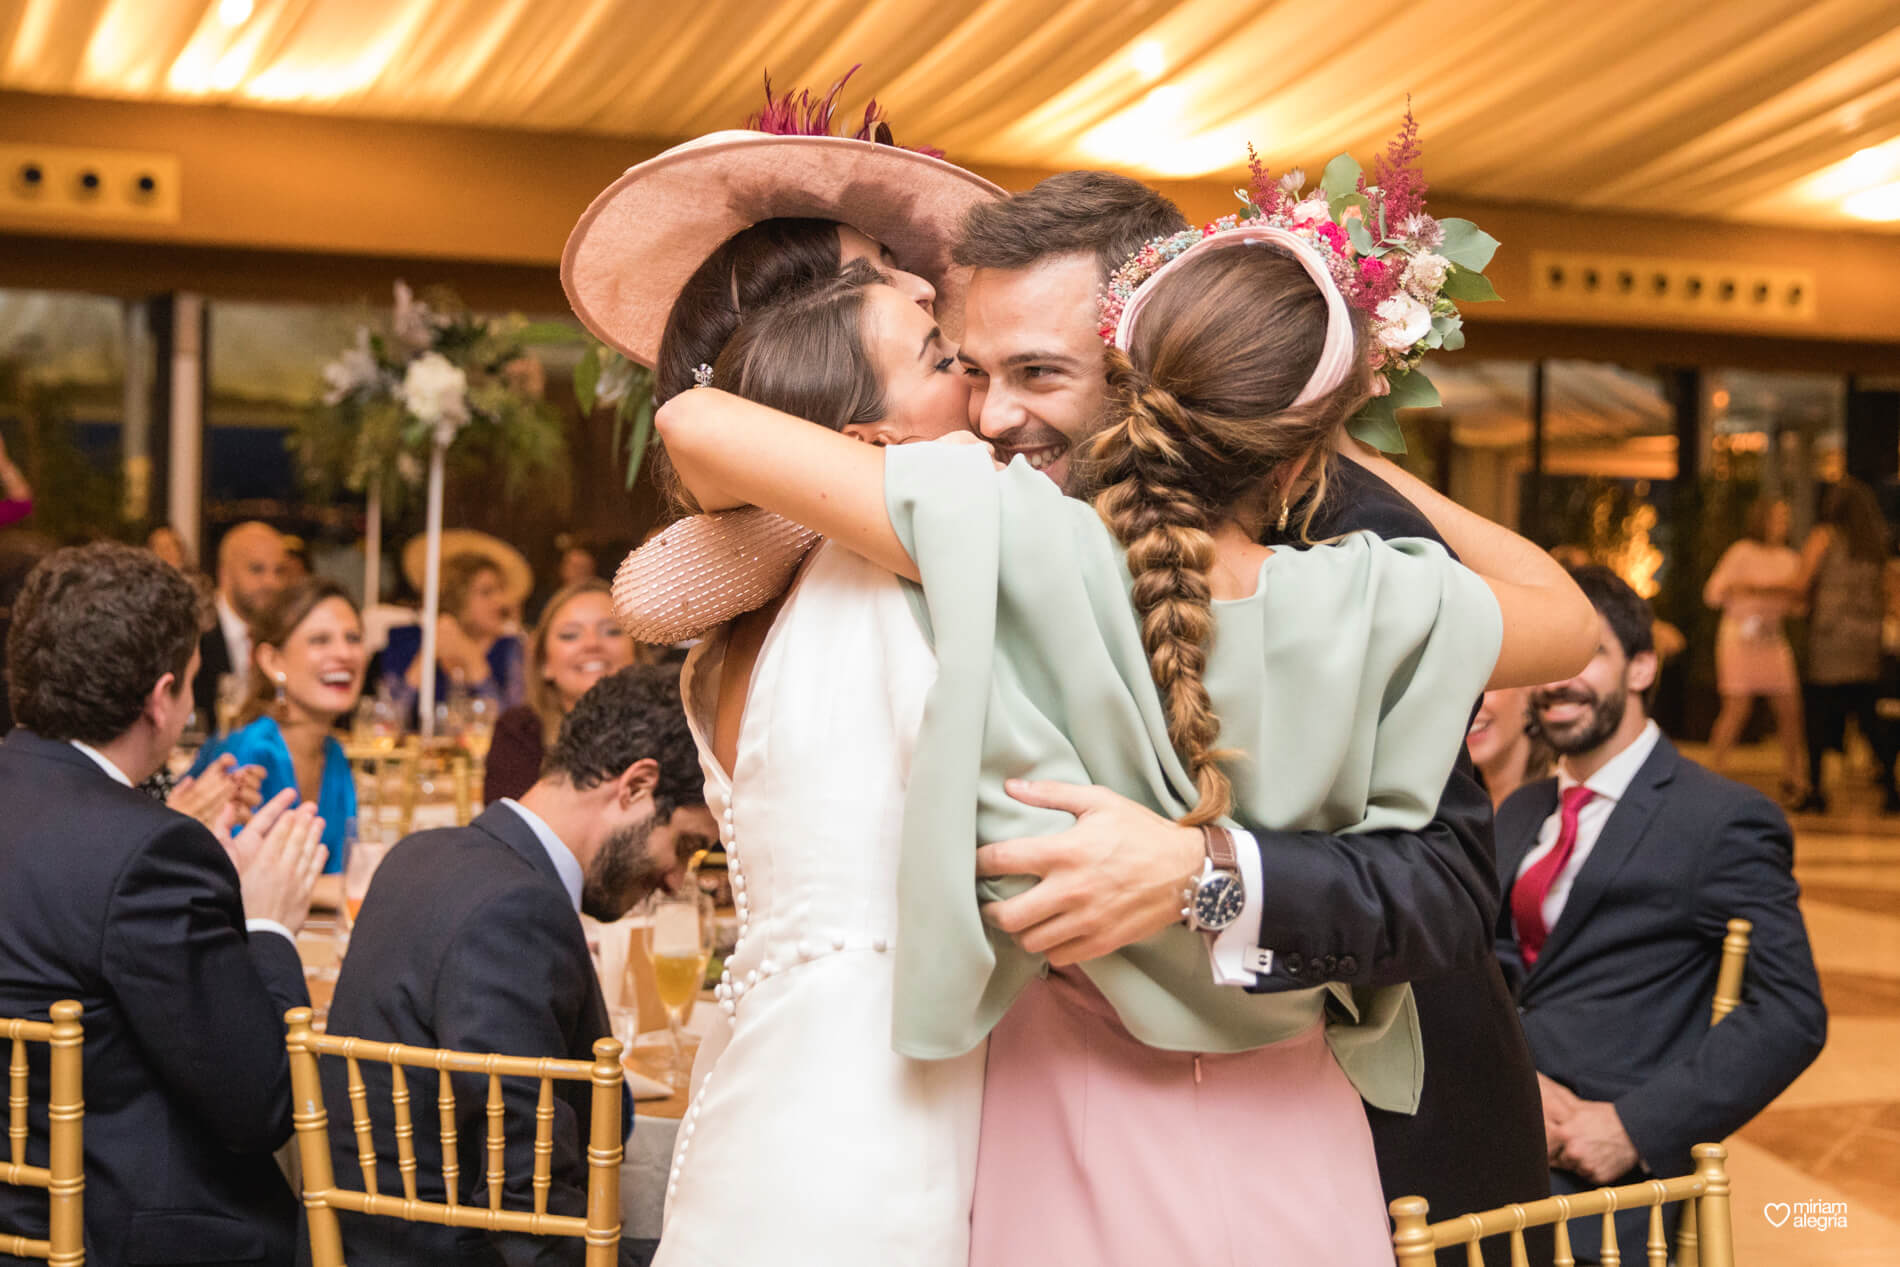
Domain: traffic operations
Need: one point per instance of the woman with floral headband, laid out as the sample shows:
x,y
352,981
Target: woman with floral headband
x,y
1122,648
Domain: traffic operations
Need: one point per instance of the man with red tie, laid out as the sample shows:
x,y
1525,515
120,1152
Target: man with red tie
x,y
1621,875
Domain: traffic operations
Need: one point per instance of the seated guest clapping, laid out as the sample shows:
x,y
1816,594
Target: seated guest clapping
x,y
576,642
139,912
306,673
471,939
1620,876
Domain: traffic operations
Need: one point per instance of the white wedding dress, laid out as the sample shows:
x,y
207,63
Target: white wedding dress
x,y
808,1140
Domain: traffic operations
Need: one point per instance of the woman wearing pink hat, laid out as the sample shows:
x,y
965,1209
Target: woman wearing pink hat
x,y
808,1140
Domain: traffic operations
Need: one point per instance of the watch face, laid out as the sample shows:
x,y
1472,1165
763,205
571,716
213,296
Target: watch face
x,y
1217,903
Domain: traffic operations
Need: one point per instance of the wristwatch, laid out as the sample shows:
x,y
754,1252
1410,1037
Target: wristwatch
x,y
1219,895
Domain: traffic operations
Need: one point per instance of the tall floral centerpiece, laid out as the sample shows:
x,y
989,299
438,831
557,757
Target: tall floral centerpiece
x,y
394,404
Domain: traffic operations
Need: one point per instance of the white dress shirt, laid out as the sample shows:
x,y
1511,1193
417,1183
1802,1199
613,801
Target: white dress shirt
x,y
120,777
1235,953
237,637
1609,783
558,852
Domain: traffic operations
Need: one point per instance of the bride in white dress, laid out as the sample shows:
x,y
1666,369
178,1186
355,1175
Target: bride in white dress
x,y
845,1151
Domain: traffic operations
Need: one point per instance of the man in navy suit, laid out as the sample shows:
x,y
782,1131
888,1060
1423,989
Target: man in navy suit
x,y
179,946
471,939
1621,876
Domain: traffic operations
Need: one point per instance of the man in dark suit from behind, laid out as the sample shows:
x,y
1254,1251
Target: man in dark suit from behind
x,y
470,939
139,912
1621,875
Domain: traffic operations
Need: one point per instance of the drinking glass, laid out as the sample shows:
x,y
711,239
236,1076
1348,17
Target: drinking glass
x,y
359,868
231,691
679,941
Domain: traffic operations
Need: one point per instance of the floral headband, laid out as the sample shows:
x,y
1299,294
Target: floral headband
x,y
1381,255
1133,283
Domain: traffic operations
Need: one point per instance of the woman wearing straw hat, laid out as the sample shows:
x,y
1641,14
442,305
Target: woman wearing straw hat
x,y
829,1146
484,581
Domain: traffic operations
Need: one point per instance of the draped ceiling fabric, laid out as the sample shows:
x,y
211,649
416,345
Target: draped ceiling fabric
x,y
1763,110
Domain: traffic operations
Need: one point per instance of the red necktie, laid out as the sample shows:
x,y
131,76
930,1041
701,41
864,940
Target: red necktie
x,y
1527,898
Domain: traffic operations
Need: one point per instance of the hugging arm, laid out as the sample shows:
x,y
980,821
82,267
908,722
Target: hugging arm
x,y
731,452
1550,628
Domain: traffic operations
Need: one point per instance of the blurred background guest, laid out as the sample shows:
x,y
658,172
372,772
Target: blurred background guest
x,y
16,495
1757,584
307,672
483,583
1507,752
165,542
19,551
296,559
576,642
1843,563
250,577
577,564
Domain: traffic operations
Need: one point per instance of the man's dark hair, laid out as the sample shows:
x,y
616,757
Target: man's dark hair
x,y
1629,615
1102,213
94,629
627,717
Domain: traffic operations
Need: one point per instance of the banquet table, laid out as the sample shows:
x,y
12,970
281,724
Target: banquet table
x,y
649,1155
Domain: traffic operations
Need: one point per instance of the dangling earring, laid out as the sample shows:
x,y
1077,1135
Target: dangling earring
x,y
1285,509
280,692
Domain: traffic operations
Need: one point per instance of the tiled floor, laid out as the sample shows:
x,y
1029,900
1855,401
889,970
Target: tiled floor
x,y
1834,1136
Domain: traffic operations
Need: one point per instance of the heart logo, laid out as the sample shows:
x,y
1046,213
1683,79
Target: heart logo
x,y
1776,1212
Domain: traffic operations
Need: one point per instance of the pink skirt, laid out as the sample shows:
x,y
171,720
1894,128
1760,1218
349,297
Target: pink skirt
x,y
1097,1149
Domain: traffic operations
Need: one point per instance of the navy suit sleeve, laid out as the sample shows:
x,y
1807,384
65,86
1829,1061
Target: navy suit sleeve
x,y
205,999
513,983
1384,907
1743,1063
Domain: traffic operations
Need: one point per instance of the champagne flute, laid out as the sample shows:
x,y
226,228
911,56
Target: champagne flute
x,y
359,869
679,942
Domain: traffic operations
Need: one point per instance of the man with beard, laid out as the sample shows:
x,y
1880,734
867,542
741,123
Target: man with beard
x,y
470,939
252,563
1624,871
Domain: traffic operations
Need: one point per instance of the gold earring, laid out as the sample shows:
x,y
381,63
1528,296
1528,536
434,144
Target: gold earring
x,y
1285,508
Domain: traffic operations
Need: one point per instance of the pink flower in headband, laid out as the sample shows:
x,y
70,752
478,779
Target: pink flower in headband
x,y
801,115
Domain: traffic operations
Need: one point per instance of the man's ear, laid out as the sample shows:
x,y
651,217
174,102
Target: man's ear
x,y
162,694
1641,673
637,780
880,433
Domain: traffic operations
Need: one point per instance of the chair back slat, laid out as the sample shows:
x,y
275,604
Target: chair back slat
x,y
1611,1254
451,1162
599,1229
405,1131
1728,978
359,1121
543,1145
63,1177
1520,1257
1416,1240
497,1144
16,1103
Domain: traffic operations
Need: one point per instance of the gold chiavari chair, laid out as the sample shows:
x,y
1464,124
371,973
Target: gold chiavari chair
x,y
1416,1241
322,1197
1728,997
64,1175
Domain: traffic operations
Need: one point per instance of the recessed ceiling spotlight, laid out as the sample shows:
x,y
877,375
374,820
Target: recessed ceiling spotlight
x,y
1150,59
235,12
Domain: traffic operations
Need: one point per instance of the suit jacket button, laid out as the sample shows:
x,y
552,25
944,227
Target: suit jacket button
x,y
1331,964
1348,965
1295,963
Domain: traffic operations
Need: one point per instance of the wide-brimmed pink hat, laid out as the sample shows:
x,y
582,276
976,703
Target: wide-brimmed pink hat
x,y
644,237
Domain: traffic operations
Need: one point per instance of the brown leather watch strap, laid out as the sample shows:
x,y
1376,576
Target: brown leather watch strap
x,y
1220,848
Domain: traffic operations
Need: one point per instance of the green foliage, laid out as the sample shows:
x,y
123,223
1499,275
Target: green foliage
x,y
604,377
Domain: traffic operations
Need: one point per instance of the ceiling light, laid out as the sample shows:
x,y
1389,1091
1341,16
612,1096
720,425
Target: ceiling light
x,y
234,12
1882,203
1150,59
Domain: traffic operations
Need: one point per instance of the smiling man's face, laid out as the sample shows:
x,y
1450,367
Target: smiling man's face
x,y
1033,353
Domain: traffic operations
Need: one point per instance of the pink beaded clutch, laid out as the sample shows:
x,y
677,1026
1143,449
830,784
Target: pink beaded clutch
x,y
703,571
